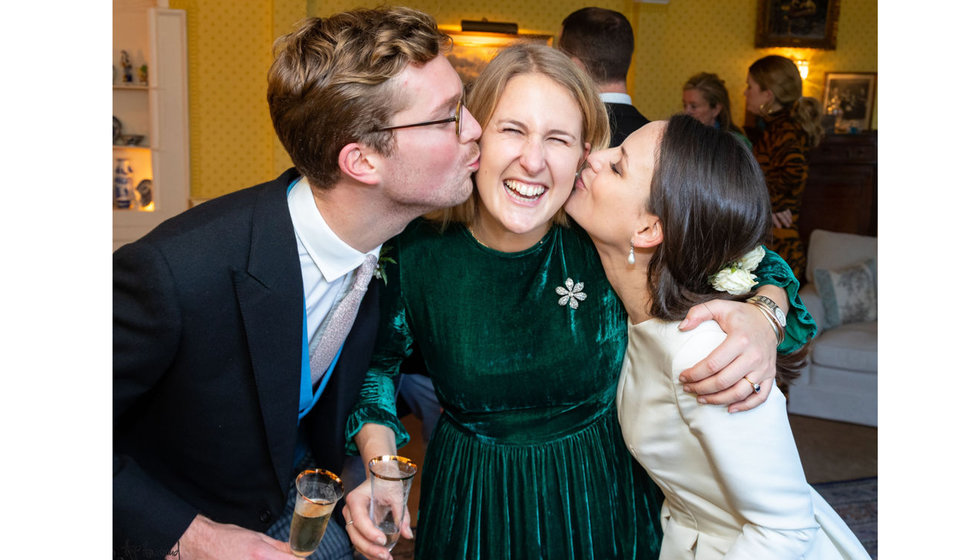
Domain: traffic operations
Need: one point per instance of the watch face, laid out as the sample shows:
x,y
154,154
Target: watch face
x,y
780,316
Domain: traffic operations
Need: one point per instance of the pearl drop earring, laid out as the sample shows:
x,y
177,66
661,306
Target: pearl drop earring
x,y
631,259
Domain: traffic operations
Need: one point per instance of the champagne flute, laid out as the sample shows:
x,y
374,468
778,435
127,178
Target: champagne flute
x,y
391,480
317,492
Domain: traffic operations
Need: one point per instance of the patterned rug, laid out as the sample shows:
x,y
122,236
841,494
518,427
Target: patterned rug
x,y
857,503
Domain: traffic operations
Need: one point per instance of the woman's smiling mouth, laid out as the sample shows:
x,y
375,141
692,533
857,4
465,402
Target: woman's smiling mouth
x,y
524,191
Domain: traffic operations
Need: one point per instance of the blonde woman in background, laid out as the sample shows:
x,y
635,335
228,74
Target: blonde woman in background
x,y
790,129
706,99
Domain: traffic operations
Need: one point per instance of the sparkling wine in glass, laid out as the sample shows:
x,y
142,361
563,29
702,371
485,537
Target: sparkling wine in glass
x,y
391,480
317,492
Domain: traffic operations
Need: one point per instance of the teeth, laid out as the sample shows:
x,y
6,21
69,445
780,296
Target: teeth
x,y
528,191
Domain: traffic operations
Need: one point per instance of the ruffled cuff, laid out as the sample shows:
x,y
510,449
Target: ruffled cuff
x,y
374,415
376,406
800,326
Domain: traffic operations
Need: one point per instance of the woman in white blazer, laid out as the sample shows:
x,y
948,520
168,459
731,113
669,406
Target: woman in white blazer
x,y
678,214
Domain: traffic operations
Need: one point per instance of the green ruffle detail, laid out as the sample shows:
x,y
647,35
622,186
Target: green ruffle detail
x,y
800,326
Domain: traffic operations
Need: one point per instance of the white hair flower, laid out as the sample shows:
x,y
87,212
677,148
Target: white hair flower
x,y
752,259
737,278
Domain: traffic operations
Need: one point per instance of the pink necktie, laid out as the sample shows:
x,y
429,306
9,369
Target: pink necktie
x,y
340,319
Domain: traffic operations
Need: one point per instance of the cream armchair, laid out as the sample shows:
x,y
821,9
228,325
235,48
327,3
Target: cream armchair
x,y
840,380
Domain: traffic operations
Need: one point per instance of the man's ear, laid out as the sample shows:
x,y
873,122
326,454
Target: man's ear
x,y
360,162
650,232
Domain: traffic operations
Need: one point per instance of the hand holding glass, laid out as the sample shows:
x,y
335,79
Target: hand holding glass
x,y
391,480
317,492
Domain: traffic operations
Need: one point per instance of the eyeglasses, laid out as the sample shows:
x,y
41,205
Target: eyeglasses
x,y
457,118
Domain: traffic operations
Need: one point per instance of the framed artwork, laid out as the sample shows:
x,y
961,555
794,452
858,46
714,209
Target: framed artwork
x,y
850,98
797,23
473,50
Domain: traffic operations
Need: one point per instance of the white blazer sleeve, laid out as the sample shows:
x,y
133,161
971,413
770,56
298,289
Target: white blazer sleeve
x,y
755,461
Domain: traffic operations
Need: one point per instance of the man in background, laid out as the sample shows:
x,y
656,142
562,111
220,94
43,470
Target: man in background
x,y
601,42
242,328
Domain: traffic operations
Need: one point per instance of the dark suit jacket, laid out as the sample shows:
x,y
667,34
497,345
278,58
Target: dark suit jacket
x,y
207,349
624,119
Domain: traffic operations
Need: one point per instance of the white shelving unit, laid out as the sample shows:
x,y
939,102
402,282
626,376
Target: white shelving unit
x,y
154,35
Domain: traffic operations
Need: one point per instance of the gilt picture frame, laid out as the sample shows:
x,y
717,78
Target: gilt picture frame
x,y
850,98
473,50
797,23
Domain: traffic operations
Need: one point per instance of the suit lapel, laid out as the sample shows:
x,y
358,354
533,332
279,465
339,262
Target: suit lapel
x,y
270,294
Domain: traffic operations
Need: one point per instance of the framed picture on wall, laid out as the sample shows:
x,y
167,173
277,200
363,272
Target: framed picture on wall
x,y
473,50
797,23
849,97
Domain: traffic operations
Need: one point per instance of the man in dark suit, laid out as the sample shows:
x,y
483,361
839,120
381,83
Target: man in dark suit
x,y
601,42
216,312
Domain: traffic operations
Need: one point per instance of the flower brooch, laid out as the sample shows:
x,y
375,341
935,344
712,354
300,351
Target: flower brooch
x,y
571,293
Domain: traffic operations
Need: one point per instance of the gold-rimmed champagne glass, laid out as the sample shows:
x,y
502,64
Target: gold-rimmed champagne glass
x,y
317,492
391,480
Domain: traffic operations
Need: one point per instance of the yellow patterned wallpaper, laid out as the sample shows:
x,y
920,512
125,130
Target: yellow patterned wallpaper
x,y
230,43
232,140
684,37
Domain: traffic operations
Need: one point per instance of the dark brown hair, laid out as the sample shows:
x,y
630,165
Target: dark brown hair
x,y
602,39
710,195
329,84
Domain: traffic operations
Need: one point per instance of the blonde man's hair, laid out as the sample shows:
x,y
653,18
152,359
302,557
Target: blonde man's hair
x,y
330,82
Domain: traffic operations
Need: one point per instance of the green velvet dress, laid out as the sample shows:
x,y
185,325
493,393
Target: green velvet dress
x,y
524,350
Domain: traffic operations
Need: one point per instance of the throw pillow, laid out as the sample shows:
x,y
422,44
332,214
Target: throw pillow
x,y
849,295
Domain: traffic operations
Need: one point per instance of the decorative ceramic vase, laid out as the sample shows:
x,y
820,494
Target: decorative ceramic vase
x,y
122,184
127,67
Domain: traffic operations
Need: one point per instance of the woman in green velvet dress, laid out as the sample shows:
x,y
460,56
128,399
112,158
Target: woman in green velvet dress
x,y
524,339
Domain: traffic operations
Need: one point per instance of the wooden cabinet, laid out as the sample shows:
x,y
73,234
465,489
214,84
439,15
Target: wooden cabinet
x,y
842,188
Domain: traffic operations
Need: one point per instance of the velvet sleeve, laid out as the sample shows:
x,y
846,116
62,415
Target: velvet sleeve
x,y
377,404
800,326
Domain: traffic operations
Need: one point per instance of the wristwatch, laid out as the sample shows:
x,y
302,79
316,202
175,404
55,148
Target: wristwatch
x,y
776,311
